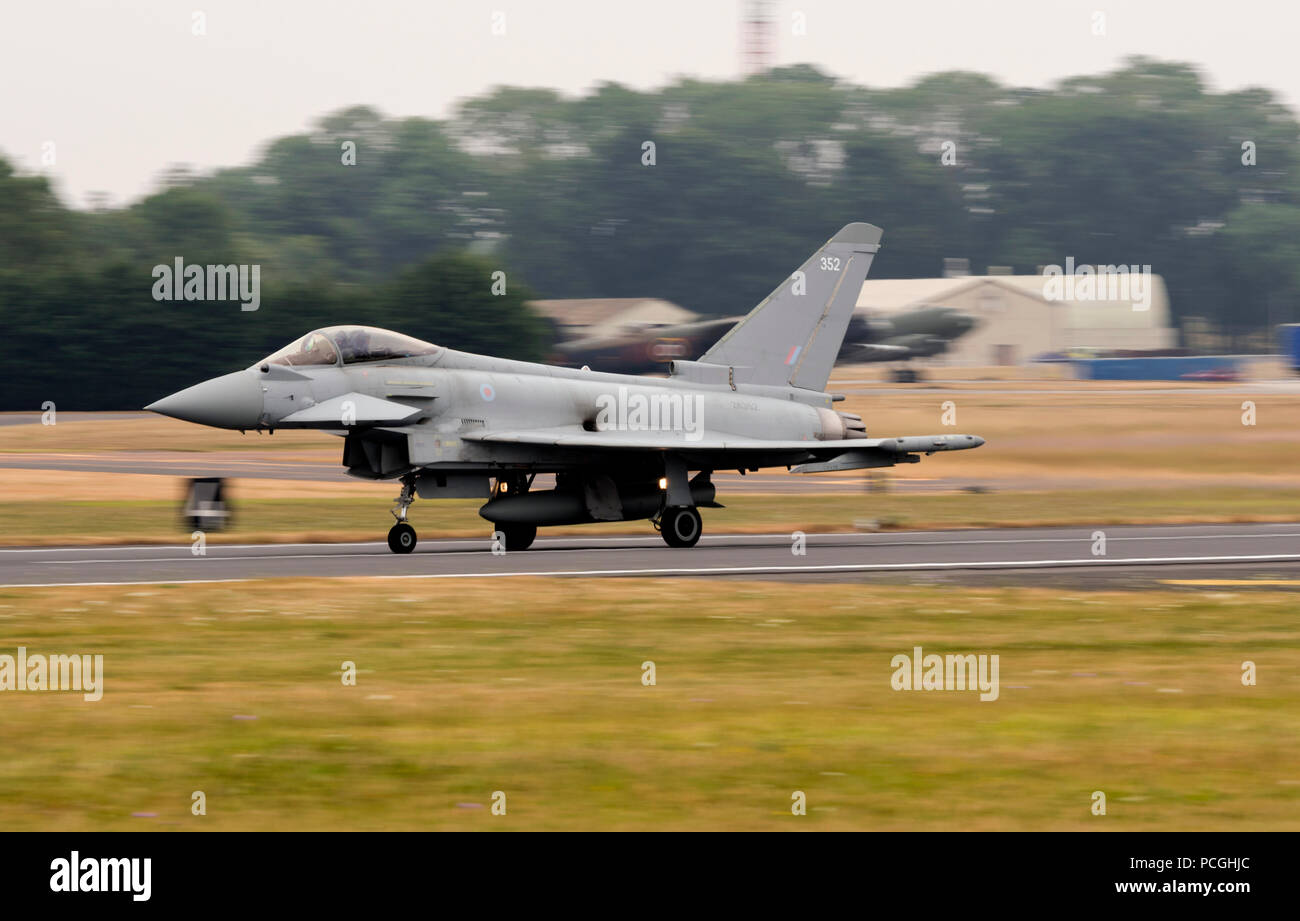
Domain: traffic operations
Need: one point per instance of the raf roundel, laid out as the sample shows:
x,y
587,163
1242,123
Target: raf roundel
x,y
487,392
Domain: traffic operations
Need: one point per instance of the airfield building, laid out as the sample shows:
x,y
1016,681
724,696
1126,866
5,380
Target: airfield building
x,y
1022,317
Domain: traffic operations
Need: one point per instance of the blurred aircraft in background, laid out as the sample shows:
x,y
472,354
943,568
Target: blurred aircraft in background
x,y
648,347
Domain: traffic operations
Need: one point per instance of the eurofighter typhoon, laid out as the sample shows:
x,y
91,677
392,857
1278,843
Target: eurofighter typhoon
x,y
450,424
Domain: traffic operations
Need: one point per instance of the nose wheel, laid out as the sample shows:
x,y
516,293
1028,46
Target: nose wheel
x,y
401,538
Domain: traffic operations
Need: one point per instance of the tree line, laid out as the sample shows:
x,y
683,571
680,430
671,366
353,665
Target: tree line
x,y
702,192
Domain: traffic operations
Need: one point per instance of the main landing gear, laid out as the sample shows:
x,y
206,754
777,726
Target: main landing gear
x,y
517,536
401,537
679,524
678,521
514,536
680,527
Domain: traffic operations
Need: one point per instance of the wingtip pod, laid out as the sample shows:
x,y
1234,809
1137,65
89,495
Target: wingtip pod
x,y
928,444
858,232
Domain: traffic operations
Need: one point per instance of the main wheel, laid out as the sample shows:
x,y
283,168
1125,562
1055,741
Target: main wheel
x,y
681,527
401,538
518,536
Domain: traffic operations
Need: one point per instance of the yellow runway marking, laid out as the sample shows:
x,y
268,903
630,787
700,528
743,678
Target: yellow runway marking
x,y
1230,582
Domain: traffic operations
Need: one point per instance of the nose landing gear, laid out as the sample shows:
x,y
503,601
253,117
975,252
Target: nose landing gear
x,y
401,536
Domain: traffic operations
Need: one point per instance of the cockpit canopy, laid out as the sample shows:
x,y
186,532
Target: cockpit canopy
x,y
348,345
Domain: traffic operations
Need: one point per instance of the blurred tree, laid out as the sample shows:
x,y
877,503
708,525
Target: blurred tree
x,y
1140,165
448,299
35,229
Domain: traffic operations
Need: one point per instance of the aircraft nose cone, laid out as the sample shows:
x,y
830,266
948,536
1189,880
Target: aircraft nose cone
x,y
232,401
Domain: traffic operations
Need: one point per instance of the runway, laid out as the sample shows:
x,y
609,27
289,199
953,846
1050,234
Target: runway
x,y
1189,555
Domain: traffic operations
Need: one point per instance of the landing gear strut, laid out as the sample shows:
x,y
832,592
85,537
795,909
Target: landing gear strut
x,y
401,537
513,484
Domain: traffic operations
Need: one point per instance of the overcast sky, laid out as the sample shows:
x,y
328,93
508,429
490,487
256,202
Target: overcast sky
x,y
125,88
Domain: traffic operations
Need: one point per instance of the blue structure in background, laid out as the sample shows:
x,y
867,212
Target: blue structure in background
x,y
1289,333
1151,369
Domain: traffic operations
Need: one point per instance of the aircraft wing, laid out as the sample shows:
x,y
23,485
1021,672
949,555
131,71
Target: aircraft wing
x,y
578,437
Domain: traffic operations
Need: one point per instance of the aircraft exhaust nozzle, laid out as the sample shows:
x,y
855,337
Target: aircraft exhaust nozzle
x,y
837,426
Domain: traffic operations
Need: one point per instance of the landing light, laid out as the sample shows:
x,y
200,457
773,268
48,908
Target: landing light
x,y
663,482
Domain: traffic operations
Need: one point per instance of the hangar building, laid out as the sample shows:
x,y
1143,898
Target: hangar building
x,y
1017,320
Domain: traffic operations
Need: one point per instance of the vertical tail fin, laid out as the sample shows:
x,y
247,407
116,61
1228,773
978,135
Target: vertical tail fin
x,y
793,336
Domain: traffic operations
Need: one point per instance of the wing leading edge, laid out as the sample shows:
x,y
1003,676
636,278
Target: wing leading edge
x,y
578,437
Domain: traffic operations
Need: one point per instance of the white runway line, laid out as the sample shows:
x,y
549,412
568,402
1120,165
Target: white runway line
x,y
184,556
713,538
722,570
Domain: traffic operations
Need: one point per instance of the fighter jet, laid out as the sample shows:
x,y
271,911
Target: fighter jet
x,y
449,424
917,333
643,348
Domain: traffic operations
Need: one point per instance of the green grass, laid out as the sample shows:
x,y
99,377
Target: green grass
x,y
347,519
465,689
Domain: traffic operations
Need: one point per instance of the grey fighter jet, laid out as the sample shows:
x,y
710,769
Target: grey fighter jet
x,y
450,424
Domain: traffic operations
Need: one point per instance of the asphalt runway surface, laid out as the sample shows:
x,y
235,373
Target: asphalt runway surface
x,y
1195,556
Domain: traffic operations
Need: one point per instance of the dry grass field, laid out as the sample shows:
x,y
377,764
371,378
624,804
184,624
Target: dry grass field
x,y
759,693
